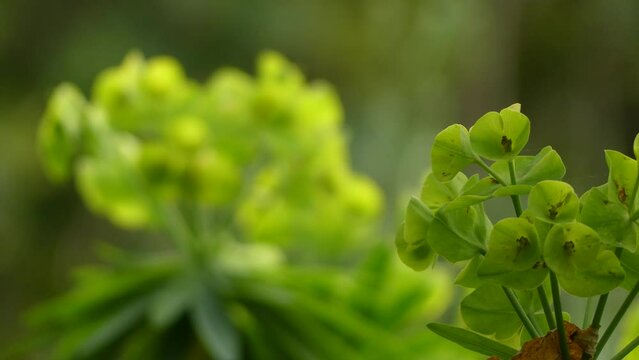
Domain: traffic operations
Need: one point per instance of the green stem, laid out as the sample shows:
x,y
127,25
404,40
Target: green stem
x,y
546,305
626,350
590,307
563,341
618,316
601,305
513,181
534,333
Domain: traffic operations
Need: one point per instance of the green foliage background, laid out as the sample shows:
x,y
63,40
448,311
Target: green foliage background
x,y
403,69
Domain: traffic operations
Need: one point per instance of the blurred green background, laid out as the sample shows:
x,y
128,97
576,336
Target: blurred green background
x,y
404,69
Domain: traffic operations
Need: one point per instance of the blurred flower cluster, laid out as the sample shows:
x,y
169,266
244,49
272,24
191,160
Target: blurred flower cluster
x,y
250,178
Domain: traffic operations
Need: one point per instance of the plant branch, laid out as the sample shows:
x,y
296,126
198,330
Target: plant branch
x,y
618,316
546,306
534,333
563,341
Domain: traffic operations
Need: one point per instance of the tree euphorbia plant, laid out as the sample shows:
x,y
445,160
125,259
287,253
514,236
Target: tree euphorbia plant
x,y
585,245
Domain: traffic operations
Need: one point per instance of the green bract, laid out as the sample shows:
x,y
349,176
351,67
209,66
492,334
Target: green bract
x,y
502,135
487,311
553,201
609,218
571,248
622,176
587,246
451,152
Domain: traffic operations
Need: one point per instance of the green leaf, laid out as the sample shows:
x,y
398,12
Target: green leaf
x,y
529,170
514,256
635,146
528,279
114,327
451,152
214,328
488,311
608,218
630,263
571,248
418,219
417,255
500,136
459,234
553,201
473,341
436,193
467,277
621,176
513,245
605,275
170,302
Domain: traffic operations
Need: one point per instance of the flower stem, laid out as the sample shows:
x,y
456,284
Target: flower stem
x,y
601,305
618,316
590,307
534,333
626,350
513,181
546,305
563,342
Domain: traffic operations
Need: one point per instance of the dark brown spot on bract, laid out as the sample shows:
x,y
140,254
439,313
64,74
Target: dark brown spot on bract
x,y
552,212
569,246
507,144
621,194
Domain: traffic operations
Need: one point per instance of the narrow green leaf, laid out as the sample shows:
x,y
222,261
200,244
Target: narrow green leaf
x,y
473,341
635,146
170,302
214,328
114,327
451,152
